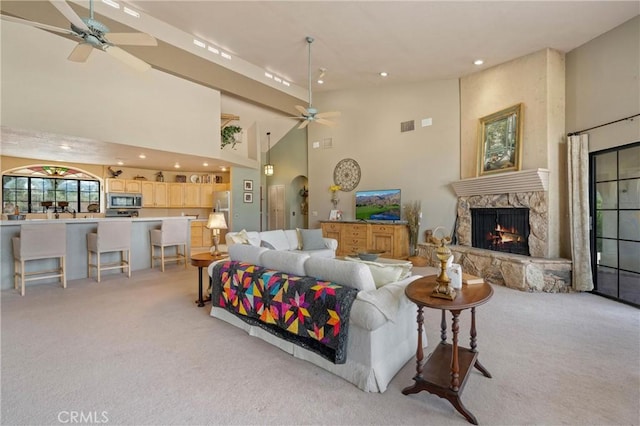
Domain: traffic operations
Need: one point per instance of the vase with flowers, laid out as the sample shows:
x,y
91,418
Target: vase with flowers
x,y
334,196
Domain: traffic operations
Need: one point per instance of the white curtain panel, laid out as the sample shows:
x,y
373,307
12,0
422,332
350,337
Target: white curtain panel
x,y
578,159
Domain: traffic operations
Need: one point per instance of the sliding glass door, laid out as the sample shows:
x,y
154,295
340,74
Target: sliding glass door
x,y
615,212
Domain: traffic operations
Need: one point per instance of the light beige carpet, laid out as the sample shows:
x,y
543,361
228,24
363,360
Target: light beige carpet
x,y
139,351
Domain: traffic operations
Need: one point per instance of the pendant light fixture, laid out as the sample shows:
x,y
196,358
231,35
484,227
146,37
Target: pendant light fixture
x,y
268,168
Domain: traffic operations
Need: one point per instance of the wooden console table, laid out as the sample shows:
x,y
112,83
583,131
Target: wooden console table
x,y
356,236
445,372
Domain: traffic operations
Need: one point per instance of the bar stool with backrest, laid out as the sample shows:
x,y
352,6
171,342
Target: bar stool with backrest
x,y
111,236
173,232
37,242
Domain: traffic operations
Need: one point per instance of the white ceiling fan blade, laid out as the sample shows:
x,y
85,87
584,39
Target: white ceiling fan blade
x,y
127,58
325,122
81,52
328,114
64,8
132,39
37,24
304,124
302,110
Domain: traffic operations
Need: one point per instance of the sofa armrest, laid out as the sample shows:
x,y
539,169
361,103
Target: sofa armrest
x,y
331,243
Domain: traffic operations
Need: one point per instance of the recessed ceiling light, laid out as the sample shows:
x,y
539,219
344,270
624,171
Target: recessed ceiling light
x,y
142,156
120,162
268,75
65,147
286,83
199,43
478,62
177,165
225,55
223,168
278,79
205,164
320,81
384,74
213,50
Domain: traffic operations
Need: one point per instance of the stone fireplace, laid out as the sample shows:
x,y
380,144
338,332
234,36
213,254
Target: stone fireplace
x,y
529,269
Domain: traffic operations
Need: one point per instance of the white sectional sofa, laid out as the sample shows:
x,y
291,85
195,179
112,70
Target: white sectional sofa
x,y
382,335
308,241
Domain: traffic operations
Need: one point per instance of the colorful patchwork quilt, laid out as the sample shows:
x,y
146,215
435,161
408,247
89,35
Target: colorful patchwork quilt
x,y
308,312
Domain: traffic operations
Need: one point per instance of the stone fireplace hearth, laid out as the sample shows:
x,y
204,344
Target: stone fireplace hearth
x,y
528,189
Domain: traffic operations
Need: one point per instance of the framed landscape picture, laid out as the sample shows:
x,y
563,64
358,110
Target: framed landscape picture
x,y
500,141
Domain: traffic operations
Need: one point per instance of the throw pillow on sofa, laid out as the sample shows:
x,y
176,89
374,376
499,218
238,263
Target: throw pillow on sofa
x,y
312,239
385,273
241,237
267,245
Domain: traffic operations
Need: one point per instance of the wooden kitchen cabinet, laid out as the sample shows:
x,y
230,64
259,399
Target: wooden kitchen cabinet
x,y
191,197
354,237
124,185
176,194
133,186
196,233
200,234
154,194
115,185
184,195
206,196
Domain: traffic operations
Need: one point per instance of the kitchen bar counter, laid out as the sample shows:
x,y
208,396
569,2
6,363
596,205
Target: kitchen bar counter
x,y
77,230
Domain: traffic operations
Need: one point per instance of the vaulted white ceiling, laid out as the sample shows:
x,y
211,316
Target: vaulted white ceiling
x,y
355,40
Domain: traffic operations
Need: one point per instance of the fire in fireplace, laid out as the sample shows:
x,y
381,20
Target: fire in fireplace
x,y
501,229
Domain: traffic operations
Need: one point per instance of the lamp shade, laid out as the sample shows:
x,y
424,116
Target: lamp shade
x,y
216,221
268,169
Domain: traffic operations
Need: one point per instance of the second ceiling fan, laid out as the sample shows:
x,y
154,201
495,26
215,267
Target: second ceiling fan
x,y
310,114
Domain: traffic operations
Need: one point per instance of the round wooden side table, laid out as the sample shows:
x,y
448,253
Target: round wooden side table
x,y
203,260
445,372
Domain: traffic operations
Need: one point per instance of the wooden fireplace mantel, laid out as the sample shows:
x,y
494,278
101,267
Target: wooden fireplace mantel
x,y
504,183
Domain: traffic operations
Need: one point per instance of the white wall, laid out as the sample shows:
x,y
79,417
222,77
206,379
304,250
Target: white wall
x,y
102,99
422,163
603,85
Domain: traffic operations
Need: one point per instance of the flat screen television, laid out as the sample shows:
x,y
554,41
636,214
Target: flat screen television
x,y
381,204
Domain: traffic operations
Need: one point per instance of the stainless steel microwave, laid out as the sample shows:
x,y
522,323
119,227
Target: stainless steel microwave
x,y
119,200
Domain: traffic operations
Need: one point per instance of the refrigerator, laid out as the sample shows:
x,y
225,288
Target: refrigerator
x,y
222,204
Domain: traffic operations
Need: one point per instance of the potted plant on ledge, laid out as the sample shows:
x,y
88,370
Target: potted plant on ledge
x,y
228,136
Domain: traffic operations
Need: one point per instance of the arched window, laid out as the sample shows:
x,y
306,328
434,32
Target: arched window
x,y
34,189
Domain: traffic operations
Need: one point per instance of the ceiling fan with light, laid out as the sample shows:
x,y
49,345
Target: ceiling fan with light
x,y
94,34
310,114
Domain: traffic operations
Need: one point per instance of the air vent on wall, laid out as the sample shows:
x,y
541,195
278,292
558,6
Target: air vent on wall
x,y
407,126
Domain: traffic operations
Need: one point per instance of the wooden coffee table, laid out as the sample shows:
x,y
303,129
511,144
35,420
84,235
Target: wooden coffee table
x,y
203,260
445,372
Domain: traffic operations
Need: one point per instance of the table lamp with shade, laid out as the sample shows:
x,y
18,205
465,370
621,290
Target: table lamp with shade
x,y
216,222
